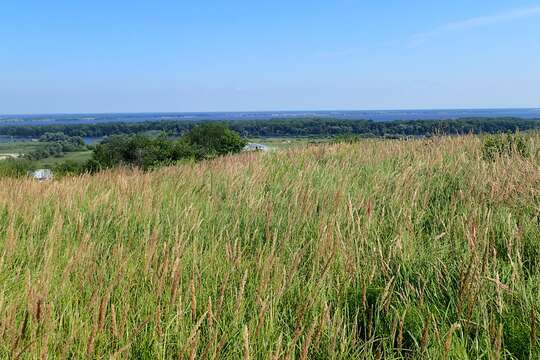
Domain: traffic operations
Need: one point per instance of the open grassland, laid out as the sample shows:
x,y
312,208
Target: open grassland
x,y
20,147
280,143
380,249
79,157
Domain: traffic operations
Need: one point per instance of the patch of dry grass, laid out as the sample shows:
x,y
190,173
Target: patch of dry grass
x,y
381,249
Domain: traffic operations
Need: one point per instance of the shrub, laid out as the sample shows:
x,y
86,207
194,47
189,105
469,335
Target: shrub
x,y
14,167
56,145
505,145
134,150
346,139
214,139
69,168
146,152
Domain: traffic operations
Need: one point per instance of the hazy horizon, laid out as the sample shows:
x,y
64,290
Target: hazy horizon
x,y
374,115
531,108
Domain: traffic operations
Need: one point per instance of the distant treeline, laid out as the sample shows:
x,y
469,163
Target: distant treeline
x,y
56,144
290,127
206,141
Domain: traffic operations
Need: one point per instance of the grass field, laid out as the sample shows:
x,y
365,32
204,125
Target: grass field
x,y
20,147
278,143
380,249
76,156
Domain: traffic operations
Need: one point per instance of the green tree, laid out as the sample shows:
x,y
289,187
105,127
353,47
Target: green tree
x,y
214,139
146,152
133,150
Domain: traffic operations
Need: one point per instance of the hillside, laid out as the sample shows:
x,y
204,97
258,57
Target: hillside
x,y
378,249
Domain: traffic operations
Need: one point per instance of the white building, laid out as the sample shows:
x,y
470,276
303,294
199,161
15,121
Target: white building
x,y
256,147
42,174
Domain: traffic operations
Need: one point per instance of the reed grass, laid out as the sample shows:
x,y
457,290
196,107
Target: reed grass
x,y
379,249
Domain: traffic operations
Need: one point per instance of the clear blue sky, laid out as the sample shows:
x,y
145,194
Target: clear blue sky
x,y
180,55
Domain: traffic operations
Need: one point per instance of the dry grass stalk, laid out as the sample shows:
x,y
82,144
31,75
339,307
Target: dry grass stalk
x,y
132,338
307,341
449,336
245,337
114,326
425,337
194,335
21,334
222,289
219,347
277,352
193,296
210,316
240,297
498,342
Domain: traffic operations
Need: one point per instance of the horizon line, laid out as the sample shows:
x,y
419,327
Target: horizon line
x,y
273,111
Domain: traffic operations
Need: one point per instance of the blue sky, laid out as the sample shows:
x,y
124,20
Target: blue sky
x,y
165,55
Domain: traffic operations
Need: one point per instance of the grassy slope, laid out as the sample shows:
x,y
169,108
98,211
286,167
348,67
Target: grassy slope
x,y
382,248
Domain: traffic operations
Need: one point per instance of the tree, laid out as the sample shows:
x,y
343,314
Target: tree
x,y
146,152
214,139
133,150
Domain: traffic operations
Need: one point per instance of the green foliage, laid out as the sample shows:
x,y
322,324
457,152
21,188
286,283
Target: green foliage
x,y
346,139
57,144
137,150
508,144
290,127
516,336
145,152
60,137
15,167
214,139
70,168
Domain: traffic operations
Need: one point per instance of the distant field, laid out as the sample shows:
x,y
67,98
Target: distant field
x,y
287,142
77,156
19,147
382,249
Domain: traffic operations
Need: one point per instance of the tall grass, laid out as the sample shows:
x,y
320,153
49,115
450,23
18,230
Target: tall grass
x,y
379,249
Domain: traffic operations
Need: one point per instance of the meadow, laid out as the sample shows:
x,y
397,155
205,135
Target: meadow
x,y
19,147
377,249
78,157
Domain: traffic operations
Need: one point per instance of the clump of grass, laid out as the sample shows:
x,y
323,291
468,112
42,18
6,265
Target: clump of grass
x,y
508,144
374,249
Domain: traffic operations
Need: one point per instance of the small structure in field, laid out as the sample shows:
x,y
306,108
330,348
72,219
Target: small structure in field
x,y
8,156
42,174
256,147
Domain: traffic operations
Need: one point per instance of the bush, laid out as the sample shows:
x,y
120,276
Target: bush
x,y
133,150
56,145
214,139
15,167
69,168
505,145
346,139
145,152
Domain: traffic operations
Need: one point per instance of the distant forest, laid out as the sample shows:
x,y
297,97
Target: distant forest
x,y
314,127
